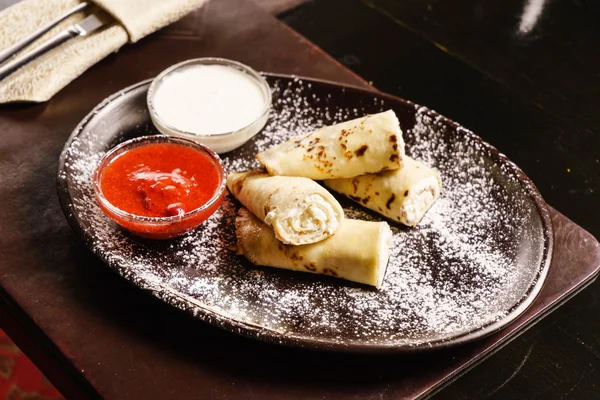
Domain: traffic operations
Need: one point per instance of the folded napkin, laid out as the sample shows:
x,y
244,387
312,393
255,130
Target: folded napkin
x,y
39,80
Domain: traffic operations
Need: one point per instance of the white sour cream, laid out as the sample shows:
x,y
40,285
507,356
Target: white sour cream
x,y
208,99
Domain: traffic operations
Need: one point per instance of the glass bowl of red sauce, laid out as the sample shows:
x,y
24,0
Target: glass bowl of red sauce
x,y
159,187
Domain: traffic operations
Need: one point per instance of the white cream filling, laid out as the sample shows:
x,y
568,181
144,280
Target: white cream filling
x,y
421,197
313,216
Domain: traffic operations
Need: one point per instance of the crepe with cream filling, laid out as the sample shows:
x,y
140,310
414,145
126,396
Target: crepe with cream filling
x,y
299,210
403,195
364,145
358,252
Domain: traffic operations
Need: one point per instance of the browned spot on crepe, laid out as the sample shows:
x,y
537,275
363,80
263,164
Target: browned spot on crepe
x,y
355,198
365,200
361,150
238,185
394,157
406,193
390,201
355,184
310,267
393,138
321,151
327,271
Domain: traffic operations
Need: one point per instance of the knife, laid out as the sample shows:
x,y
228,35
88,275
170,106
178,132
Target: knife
x,y
21,44
83,28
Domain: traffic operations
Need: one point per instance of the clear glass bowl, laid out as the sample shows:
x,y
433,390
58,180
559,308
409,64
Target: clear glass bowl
x,y
219,142
159,227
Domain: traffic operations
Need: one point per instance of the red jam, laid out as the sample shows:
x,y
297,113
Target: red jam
x,y
161,180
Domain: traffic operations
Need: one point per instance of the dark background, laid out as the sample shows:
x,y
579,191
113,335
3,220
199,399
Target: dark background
x,y
534,94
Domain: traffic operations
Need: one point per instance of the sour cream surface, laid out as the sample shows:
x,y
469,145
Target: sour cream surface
x,y
208,99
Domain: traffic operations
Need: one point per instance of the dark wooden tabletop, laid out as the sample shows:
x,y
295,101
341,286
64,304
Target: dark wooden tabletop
x,y
529,88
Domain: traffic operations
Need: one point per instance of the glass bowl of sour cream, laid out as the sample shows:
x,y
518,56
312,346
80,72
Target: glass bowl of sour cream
x,y
214,101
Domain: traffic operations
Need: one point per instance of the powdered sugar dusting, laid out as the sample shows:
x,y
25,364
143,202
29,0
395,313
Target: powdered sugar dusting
x,y
465,266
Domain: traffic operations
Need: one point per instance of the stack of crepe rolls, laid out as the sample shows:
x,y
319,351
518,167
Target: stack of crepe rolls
x,y
293,223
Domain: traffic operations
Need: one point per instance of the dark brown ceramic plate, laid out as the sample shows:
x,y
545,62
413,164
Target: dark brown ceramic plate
x,y
475,262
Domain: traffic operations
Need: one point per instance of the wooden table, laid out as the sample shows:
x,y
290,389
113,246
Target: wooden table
x,y
94,335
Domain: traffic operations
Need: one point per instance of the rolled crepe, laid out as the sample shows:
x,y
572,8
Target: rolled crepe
x,y
403,195
299,210
364,145
358,252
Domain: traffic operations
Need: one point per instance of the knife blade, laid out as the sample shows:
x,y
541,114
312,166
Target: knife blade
x,y
88,25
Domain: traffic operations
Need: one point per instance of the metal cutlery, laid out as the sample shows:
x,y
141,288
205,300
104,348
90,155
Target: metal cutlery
x,y
83,28
15,48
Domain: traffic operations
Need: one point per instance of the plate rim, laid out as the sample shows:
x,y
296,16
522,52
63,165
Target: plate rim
x,y
203,312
